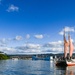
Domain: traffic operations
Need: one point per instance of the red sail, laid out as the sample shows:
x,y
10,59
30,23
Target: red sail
x,y
71,47
65,47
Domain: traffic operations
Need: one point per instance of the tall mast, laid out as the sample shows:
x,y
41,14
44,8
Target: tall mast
x,y
71,47
65,45
69,43
64,42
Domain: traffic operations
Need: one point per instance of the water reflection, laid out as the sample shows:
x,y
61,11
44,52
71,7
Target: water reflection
x,y
25,67
70,70
60,70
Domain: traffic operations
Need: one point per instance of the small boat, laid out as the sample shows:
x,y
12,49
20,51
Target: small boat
x,y
40,57
51,58
67,61
14,58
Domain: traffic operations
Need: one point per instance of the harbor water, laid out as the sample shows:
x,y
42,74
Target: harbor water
x,y
32,67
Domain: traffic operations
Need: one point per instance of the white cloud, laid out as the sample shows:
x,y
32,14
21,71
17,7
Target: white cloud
x,y
54,44
18,38
12,8
61,33
32,46
27,36
39,36
8,50
67,29
29,48
51,47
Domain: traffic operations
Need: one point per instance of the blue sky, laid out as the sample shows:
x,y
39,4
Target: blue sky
x,y
35,26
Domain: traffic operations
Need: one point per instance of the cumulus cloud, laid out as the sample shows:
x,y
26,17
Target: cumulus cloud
x,y
18,38
51,47
54,44
32,46
67,29
29,48
39,36
61,33
27,36
12,8
8,50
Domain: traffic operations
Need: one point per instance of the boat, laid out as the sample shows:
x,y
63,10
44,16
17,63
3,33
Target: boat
x,y
40,57
61,63
68,52
70,61
14,58
51,58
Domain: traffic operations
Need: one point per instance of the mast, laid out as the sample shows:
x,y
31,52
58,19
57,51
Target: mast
x,y
71,47
69,43
64,43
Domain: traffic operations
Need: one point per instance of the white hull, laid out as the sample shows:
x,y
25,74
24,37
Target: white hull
x,y
70,62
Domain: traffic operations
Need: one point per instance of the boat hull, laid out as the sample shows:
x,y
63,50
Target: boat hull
x,y
70,63
61,63
65,63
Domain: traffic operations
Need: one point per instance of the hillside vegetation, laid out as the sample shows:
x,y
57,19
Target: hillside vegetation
x,y
3,57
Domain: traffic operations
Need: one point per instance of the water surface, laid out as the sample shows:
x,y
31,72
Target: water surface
x,y
31,67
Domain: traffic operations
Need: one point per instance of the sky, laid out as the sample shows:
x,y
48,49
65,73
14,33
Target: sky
x,y
35,26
